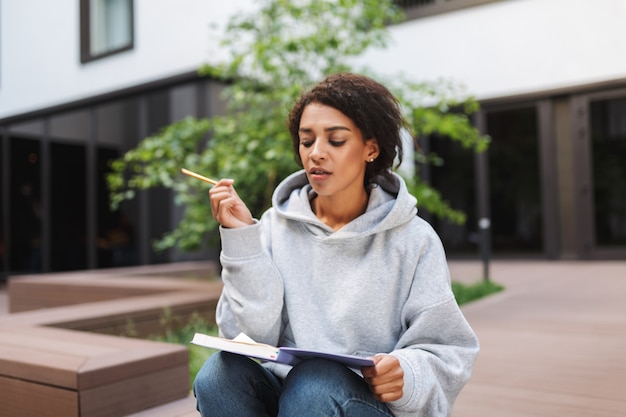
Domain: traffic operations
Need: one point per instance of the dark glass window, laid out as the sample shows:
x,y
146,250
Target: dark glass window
x,y
415,9
454,178
516,212
68,221
414,3
25,209
2,205
106,28
117,240
608,148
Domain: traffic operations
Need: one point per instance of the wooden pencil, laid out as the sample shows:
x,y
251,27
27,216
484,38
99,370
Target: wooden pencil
x,y
198,176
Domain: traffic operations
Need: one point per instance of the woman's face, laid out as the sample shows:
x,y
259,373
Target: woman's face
x,y
332,151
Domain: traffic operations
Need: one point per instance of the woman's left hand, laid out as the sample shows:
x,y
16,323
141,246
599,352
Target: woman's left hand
x,y
385,378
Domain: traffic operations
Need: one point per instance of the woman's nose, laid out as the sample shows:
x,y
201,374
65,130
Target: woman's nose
x,y
318,150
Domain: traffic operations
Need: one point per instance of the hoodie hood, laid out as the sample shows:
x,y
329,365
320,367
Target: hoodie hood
x,y
390,205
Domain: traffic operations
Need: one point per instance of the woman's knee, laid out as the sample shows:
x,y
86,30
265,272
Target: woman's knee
x,y
319,387
209,374
227,371
321,378
231,384
217,369
317,368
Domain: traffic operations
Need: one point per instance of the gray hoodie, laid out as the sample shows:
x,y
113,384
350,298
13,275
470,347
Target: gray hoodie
x,y
380,284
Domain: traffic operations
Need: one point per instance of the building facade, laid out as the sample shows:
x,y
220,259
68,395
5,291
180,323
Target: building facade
x,y
551,81
82,81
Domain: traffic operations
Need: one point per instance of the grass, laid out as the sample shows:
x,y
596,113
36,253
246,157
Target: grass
x,y
182,333
197,356
466,293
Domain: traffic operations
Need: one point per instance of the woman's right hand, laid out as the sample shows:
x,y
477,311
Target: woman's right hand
x,y
227,208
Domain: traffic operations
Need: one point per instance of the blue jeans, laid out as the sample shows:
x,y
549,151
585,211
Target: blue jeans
x,y
234,386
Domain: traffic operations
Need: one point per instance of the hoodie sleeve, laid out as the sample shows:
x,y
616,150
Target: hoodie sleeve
x,y
252,298
438,349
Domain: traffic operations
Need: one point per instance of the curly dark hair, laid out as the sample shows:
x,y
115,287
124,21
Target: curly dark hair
x,y
369,104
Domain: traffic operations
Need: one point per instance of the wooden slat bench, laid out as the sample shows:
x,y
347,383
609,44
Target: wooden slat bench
x,y
56,361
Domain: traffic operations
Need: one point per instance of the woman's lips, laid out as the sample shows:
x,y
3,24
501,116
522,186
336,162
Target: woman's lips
x,y
318,174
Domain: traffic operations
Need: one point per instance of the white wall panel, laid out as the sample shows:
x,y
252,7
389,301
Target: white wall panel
x,y
512,46
498,49
39,51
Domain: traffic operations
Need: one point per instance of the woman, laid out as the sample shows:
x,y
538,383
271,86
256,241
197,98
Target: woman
x,y
340,263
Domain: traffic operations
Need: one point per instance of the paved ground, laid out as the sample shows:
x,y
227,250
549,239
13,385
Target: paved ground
x,y
553,343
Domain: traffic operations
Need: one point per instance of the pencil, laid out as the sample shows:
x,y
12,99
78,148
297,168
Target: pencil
x,y
198,176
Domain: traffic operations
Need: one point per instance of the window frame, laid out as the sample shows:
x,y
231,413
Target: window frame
x,y
417,11
85,34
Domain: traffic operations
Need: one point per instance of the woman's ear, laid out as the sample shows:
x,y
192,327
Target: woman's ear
x,y
371,149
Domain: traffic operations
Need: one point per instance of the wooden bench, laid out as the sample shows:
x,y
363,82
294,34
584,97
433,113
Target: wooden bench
x,y
58,352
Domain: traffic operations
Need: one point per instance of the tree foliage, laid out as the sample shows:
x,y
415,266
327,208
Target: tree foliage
x,y
275,53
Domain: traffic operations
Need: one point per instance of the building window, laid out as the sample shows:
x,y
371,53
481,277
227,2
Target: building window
x,y
608,153
106,28
416,3
415,9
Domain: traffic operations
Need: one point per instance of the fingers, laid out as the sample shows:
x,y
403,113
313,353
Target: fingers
x,y
221,191
227,208
385,378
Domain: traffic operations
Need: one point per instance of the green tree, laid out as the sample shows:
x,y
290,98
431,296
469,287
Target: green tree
x,y
276,52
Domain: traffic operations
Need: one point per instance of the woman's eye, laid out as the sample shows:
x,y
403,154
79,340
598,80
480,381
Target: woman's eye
x,y
306,143
337,142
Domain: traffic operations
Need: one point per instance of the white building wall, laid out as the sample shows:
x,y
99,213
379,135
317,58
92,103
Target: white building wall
x,y
498,49
40,49
513,46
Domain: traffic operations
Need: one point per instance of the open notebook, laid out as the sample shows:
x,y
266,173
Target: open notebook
x,y
243,345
